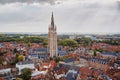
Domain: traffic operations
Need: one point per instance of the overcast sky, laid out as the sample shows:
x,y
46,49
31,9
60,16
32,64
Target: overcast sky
x,y
83,16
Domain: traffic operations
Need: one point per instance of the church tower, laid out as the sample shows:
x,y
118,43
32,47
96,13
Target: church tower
x,y
52,39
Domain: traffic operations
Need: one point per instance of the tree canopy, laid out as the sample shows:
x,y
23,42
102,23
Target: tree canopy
x,y
26,74
15,50
111,42
35,39
94,53
20,57
68,42
84,41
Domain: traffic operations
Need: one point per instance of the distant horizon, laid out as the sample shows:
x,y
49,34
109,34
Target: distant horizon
x,y
72,33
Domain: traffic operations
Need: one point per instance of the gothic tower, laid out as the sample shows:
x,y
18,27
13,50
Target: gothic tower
x,y
52,39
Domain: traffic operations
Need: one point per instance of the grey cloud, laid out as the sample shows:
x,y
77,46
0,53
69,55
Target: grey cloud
x,y
52,2
96,17
80,17
118,5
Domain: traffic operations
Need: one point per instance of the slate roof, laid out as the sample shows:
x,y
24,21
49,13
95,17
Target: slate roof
x,y
1,45
100,61
25,62
62,53
41,49
69,60
38,55
71,76
111,53
105,77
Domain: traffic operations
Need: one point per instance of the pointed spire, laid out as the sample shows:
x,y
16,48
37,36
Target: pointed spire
x,y
52,20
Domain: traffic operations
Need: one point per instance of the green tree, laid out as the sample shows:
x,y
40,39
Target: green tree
x,y
68,42
26,39
29,44
2,53
94,53
51,58
99,50
1,61
16,59
57,59
15,50
2,35
84,41
20,58
26,74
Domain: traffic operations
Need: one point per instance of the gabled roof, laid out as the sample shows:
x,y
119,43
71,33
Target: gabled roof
x,y
85,70
71,75
111,53
69,60
100,61
61,53
41,49
25,62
